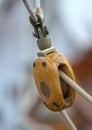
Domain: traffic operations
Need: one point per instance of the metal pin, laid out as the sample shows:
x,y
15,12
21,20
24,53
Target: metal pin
x,y
68,121
75,86
30,11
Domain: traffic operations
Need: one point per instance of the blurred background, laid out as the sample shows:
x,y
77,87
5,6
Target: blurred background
x,y
70,25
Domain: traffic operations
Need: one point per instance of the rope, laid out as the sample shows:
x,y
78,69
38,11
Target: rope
x,y
68,121
38,4
30,10
75,86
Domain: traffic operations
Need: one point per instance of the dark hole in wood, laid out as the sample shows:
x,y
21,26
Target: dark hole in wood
x,y
56,105
44,64
45,89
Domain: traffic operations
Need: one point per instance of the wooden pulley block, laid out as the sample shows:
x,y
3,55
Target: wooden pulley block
x,y
55,93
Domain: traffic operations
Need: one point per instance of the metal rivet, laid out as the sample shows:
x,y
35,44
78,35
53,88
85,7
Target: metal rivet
x,y
45,89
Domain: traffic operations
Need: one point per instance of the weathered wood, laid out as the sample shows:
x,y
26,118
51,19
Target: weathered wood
x,y
54,92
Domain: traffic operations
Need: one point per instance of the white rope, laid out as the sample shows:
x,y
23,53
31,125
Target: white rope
x,y
38,4
75,86
30,10
68,121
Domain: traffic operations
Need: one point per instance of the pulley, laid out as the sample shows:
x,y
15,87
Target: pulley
x,y
53,73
